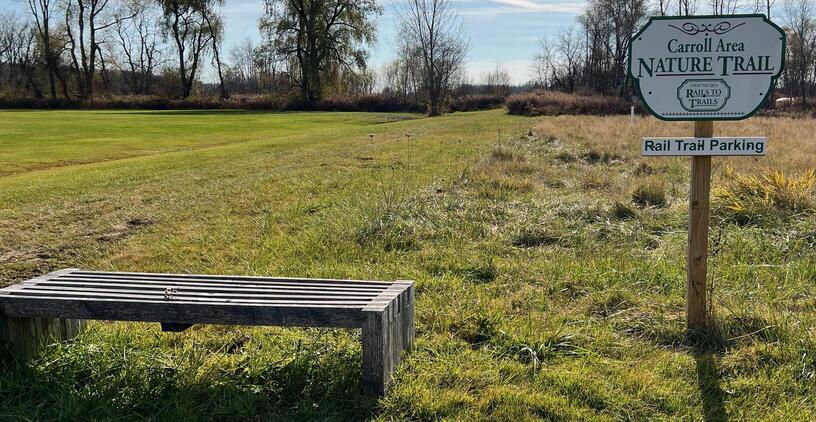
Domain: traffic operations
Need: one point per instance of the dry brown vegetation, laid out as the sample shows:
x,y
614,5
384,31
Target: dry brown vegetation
x,y
551,103
791,145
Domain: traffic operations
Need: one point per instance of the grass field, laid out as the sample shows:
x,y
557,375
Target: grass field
x,y
549,259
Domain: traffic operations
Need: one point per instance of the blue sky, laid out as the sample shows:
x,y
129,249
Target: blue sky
x,y
502,32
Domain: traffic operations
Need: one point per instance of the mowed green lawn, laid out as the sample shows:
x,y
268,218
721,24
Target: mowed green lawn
x,y
544,291
42,139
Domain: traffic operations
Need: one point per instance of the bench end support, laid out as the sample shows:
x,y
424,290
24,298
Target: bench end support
x,y
386,334
26,336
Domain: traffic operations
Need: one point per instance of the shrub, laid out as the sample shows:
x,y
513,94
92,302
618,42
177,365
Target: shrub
x,y
748,199
549,103
371,103
392,232
651,193
476,102
504,153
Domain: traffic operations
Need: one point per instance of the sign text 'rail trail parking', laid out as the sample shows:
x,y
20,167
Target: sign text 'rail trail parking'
x,y
703,146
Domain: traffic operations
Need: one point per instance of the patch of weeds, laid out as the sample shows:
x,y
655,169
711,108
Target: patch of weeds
x,y
566,157
610,303
655,327
505,153
391,231
748,326
595,180
534,237
478,269
501,187
483,271
477,329
138,222
644,169
622,211
769,197
594,156
555,345
651,193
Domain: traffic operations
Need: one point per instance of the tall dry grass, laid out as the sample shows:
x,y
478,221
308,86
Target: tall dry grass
x,y
551,103
791,141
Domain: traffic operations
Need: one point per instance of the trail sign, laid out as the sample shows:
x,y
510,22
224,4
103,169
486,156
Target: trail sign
x,y
706,68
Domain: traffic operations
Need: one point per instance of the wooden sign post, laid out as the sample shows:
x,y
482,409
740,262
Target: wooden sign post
x,y
704,68
699,195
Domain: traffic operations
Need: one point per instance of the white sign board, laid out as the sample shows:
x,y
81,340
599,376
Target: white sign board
x,y
703,146
706,68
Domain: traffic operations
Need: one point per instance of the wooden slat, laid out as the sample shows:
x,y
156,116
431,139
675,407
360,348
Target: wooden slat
x,y
178,298
220,283
160,276
182,312
193,287
387,296
185,293
215,285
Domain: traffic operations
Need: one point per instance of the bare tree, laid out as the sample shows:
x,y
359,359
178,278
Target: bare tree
x,y
85,21
19,53
184,21
663,7
801,25
432,31
764,6
321,39
41,11
137,49
497,82
724,7
215,26
559,62
242,73
686,7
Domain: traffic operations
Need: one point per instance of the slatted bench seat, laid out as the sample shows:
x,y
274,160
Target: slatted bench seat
x,y
50,305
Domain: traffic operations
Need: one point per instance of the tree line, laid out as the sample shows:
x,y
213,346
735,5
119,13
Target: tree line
x,y
591,56
317,49
310,49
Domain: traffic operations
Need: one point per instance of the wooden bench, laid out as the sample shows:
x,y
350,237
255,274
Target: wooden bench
x,y
52,306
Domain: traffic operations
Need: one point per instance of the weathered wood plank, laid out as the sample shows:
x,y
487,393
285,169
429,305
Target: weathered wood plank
x,y
185,292
228,278
207,288
178,297
184,312
221,283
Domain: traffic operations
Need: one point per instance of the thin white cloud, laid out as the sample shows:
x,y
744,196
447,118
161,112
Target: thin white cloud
x,y
534,6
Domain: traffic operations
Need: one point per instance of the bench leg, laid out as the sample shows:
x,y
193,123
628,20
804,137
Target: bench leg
x,y
386,334
26,336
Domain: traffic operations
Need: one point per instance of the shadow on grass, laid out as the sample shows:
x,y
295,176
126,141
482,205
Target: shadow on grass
x,y
54,386
708,381
202,112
